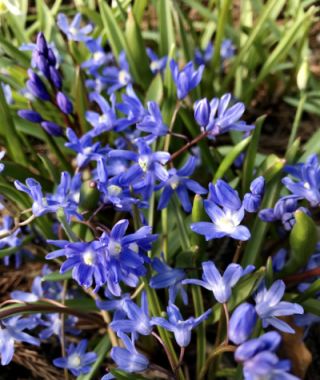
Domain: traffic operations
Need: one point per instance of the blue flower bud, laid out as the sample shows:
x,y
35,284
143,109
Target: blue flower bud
x,y
64,103
51,128
202,112
257,186
30,115
37,87
41,43
242,323
52,58
251,202
42,64
55,77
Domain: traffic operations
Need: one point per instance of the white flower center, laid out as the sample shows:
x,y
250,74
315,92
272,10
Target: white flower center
x,y
114,248
74,361
306,185
123,77
143,163
73,31
89,257
114,190
226,224
98,55
87,150
155,65
103,118
134,247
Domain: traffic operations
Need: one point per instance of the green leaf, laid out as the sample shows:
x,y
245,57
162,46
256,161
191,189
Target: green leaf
x,y
250,159
312,146
57,276
311,306
17,55
303,240
230,157
81,100
155,90
101,350
138,9
165,26
8,130
137,50
121,375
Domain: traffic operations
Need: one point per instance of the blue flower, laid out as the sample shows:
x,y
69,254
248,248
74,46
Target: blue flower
x,y
252,200
86,149
205,56
129,359
74,32
139,320
180,328
117,305
77,361
269,306
157,64
11,330
2,154
12,240
148,167
283,211
221,286
53,326
7,92
87,261
227,49
242,323
118,77
308,184
101,122
225,222
259,360
152,122
170,278
179,182
36,86
125,255
98,58
187,79
222,118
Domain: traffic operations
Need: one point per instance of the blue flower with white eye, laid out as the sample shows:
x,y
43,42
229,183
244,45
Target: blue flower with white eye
x,y
221,286
117,305
98,56
87,261
11,330
307,185
85,148
170,278
77,360
118,77
219,117
74,31
129,359
125,255
138,319
227,49
97,84
269,306
157,65
186,79
259,360
105,121
152,123
53,326
283,211
180,183
147,168
180,328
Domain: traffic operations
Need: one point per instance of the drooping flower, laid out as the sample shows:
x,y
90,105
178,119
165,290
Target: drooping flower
x,y
221,286
186,79
129,359
242,323
157,65
74,31
252,200
77,361
180,328
307,185
269,306
11,330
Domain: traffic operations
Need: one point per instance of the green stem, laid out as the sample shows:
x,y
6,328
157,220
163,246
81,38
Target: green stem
x,y
67,229
297,119
164,221
57,151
